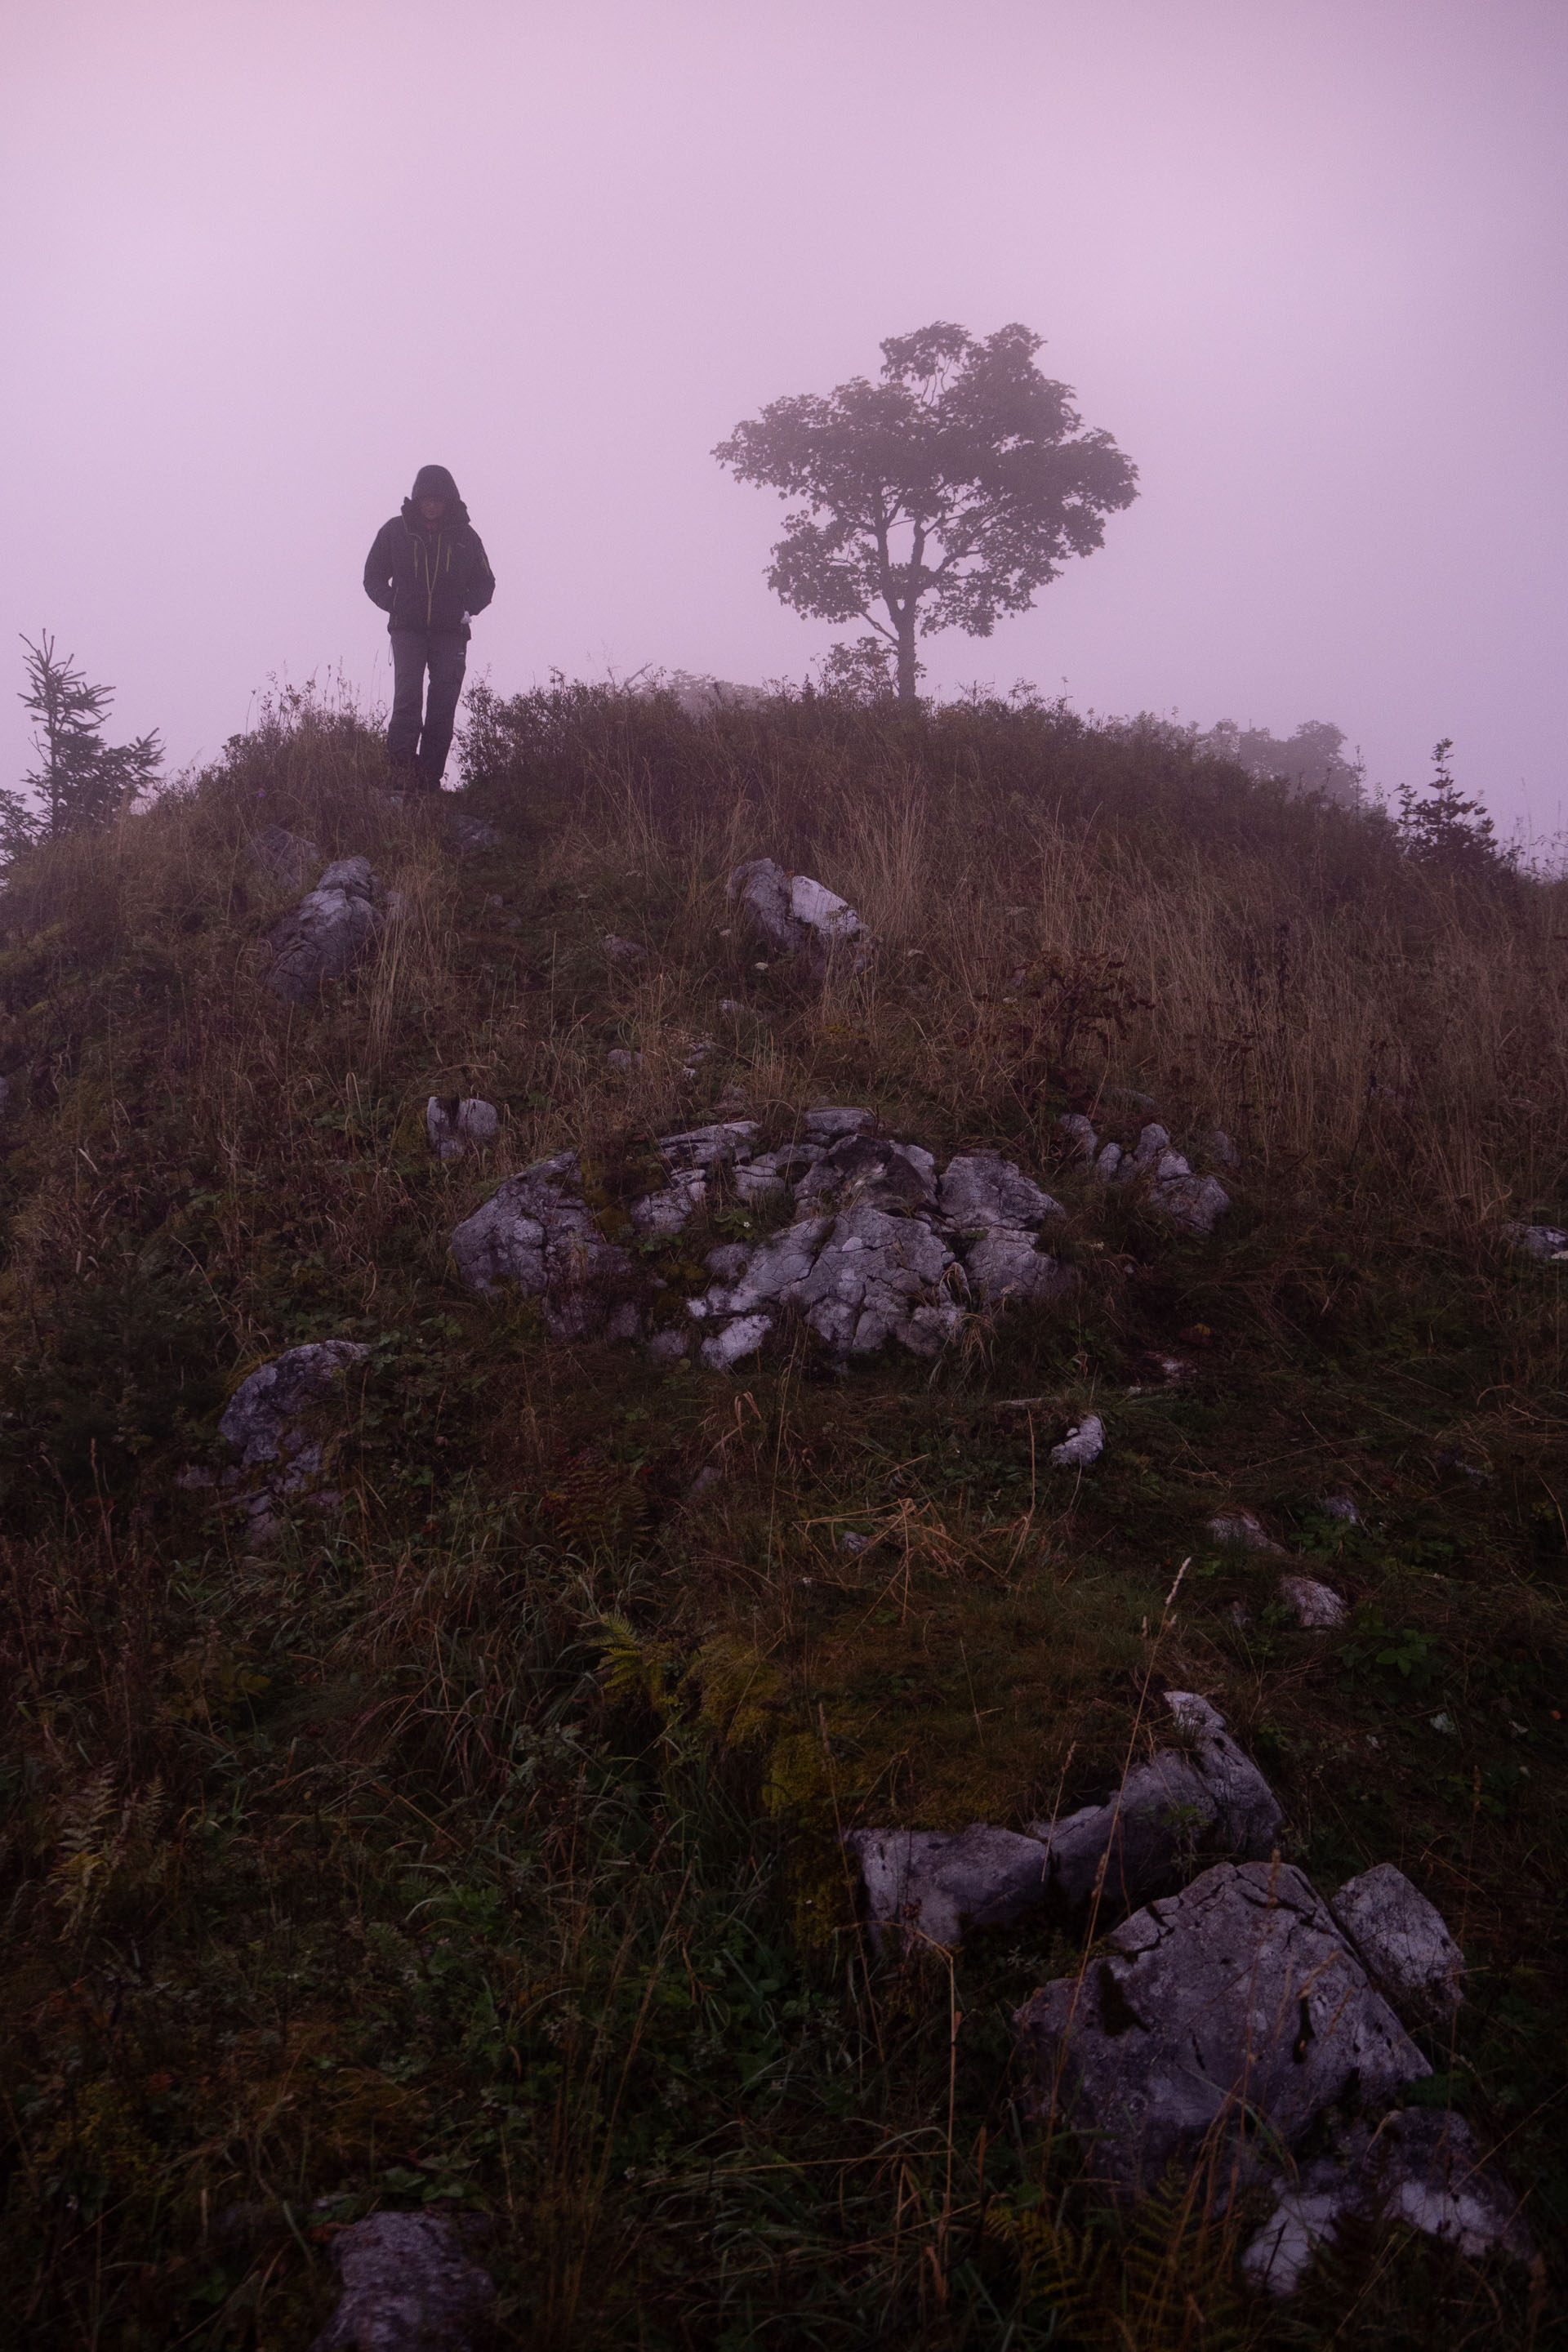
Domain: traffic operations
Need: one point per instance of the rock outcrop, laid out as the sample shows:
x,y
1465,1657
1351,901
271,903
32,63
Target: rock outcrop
x,y
1192,1202
1208,1798
407,2286
1236,2002
537,1232
319,939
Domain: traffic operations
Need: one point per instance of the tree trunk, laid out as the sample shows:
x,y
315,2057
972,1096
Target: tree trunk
x,y
906,625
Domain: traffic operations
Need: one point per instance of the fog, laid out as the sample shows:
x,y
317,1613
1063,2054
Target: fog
x,y
1305,261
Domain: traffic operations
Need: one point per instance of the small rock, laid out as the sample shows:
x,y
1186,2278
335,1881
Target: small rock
x,y
828,1121
1536,1241
1193,1202
742,1337
666,1211
1079,1131
983,1190
1404,1942
1084,1444
706,1146
1237,1997
1443,1724
621,950
669,1345
732,1005
319,939
459,1124
732,1099
624,1058
1004,1265
1341,1506
854,1544
1242,1530
792,914
1316,1606
407,2286
928,1883
1218,1146
288,857
1109,1163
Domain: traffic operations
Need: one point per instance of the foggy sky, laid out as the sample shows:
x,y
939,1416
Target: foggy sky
x,y
1306,261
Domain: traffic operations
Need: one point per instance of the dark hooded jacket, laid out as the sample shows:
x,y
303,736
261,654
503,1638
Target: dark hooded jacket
x,y
424,578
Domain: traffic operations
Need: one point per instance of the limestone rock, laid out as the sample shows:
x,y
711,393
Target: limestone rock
x,y
927,1884
1193,1202
1006,1263
1404,1942
537,1232
407,2286
287,856
1341,1506
794,915
705,1147
456,1124
872,1168
828,1121
1421,2167
742,1337
1237,1995
1536,1241
879,1277
320,938
1242,1530
984,1190
1084,1444
262,1420
1080,1133
1316,1606
621,950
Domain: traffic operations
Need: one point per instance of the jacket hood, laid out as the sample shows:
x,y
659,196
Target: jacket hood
x,y
435,482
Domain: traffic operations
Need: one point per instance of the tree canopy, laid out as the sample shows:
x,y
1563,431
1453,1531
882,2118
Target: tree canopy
x,y
943,496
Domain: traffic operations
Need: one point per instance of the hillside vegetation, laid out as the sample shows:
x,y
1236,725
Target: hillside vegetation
x,y
475,1842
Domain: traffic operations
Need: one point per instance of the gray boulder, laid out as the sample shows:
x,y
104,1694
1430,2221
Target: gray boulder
x,y
1421,2167
928,1884
792,915
407,2286
828,1121
859,1279
262,1421
1007,1264
873,1169
537,1233
983,1190
1242,1530
1404,1942
1237,2001
456,1124
320,938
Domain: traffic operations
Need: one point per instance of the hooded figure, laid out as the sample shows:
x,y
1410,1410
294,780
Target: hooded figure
x,y
428,573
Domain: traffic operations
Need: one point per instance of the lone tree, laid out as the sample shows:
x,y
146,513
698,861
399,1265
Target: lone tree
x,y
81,782
946,494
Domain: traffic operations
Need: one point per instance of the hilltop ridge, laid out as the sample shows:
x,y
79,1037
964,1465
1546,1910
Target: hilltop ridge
x,y
428,1779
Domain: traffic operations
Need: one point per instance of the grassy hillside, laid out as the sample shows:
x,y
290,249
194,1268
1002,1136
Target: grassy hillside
x,y
476,1843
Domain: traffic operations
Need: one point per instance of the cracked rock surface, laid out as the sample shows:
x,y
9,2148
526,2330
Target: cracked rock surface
x,y
1239,1995
318,940
262,1421
538,1232
1403,1940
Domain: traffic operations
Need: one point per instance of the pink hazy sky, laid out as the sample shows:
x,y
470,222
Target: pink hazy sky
x,y
1305,260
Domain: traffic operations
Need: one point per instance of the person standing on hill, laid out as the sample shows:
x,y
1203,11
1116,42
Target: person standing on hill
x,y
430,574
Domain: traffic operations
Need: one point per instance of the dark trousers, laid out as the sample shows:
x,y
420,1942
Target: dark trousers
x,y
420,734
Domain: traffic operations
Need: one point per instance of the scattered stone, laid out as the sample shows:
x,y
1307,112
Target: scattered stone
x,y
1443,1724
1316,1606
320,937
928,1884
767,1178
1404,1942
1079,1133
666,1211
288,856
1193,1202
1242,1530
1341,1506
1109,1162
707,1147
791,914
458,1124
624,1058
621,950
407,2286
859,1279
1006,1264
1536,1241
1218,1146
854,1544
1420,2167
732,1099
537,1232
1085,1444
1237,2000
